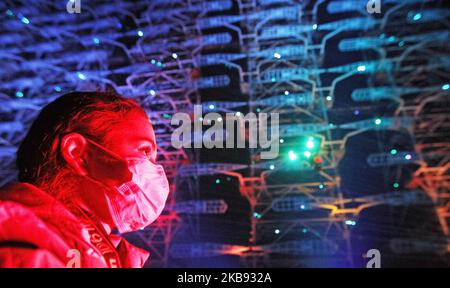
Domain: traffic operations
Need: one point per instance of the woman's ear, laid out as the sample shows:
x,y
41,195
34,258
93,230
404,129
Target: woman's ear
x,y
73,150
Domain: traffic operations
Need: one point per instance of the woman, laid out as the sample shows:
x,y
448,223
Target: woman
x,y
87,173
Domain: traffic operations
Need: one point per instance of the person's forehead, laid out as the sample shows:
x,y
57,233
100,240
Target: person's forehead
x,y
134,127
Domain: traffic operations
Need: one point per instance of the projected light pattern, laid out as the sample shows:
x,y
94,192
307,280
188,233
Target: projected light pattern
x,y
370,90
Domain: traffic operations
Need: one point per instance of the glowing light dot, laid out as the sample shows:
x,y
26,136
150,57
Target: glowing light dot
x,y
314,27
58,89
140,33
307,154
304,230
329,98
408,157
396,185
361,68
445,86
256,215
310,144
292,155
174,56
9,13
394,151
417,17
159,64
350,222
211,106
219,119
277,231
321,186
19,94
302,206
153,61
96,40
377,121
217,181
25,20
81,76
277,55
238,113
272,167
356,112
281,140
152,92
286,92
258,110
201,118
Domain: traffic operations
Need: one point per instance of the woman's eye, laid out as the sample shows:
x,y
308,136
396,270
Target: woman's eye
x,y
147,152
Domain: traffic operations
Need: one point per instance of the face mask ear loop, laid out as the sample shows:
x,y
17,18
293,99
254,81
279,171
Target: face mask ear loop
x,y
104,149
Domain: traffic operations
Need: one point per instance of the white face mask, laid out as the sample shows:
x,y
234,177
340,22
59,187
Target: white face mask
x,y
139,202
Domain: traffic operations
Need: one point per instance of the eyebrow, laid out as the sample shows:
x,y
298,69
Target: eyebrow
x,y
152,141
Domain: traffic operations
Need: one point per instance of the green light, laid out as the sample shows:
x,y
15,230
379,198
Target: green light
x,y
377,121
394,151
395,185
217,181
258,110
417,17
321,186
281,140
445,86
292,155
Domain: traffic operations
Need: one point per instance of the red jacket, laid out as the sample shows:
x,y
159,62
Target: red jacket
x,y
36,230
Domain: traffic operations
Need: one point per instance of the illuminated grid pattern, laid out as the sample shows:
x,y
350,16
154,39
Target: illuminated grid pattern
x,y
340,78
